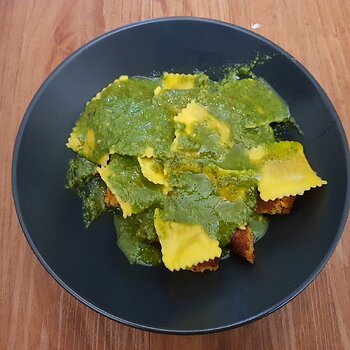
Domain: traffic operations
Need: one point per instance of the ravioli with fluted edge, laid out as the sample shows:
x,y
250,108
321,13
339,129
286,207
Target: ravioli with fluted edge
x,y
284,170
184,245
189,167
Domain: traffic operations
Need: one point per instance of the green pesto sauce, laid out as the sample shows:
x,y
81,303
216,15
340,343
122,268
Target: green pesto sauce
x,y
137,238
93,195
256,99
132,187
205,142
125,112
216,187
258,224
175,100
81,178
196,200
236,159
79,171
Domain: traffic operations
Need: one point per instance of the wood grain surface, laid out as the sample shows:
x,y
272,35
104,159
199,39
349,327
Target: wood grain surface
x,y
35,36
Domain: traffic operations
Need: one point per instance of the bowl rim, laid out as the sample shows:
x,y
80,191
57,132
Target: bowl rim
x,y
296,291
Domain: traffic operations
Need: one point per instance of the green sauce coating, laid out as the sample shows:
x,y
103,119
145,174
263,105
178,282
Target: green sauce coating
x,y
211,183
137,238
81,178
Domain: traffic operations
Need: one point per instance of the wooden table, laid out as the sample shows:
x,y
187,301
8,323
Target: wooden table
x,y
35,36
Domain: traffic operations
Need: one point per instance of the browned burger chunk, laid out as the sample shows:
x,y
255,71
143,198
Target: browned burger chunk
x,y
210,265
279,206
242,244
110,199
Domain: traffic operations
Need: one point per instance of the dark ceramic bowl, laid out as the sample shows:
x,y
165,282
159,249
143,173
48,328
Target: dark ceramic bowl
x,y
88,263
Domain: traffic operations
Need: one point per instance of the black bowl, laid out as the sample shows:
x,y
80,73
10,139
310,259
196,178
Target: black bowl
x,y
88,264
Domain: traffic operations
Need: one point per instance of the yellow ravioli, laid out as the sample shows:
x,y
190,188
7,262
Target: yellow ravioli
x,y
199,133
184,245
153,171
73,142
196,114
178,81
132,190
285,171
87,148
98,95
127,209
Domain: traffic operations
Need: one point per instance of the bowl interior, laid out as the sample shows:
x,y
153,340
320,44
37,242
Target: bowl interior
x,y
89,264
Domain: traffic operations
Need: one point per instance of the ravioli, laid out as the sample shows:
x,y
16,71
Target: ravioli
x,y
184,245
285,170
199,134
175,81
153,170
178,81
133,191
122,112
